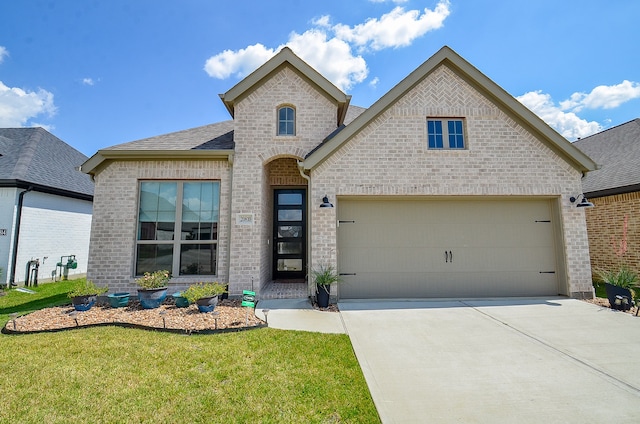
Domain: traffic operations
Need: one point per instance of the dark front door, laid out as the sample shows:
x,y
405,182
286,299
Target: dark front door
x,y
289,234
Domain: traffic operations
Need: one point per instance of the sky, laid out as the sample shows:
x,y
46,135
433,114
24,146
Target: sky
x,y
96,73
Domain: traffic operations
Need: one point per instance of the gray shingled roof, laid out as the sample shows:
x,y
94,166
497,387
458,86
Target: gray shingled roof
x,y
218,136
34,155
617,151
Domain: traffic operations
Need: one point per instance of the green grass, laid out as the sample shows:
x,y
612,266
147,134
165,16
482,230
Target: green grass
x,y
118,375
49,294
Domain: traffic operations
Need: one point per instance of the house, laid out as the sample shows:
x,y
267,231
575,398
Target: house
x,y
614,224
45,207
445,187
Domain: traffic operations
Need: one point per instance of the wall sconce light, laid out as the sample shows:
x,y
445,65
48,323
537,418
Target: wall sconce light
x,y
326,203
584,203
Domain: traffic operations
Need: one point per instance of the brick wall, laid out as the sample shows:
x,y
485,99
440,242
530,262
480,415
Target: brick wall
x,y
115,214
390,157
614,232
260,164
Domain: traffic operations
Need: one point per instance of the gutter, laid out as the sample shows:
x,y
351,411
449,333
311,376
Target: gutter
x,y
16,237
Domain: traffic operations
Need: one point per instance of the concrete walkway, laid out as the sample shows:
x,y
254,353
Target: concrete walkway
x,y
486,361
298,314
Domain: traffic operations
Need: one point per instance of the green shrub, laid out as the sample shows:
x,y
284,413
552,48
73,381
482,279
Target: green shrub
x,y
200,290
86,288
154,280
624,277
325,275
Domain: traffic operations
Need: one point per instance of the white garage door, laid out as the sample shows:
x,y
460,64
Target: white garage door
x,y
442,248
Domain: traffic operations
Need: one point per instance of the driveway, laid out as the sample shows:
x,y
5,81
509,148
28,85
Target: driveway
x,y
497,361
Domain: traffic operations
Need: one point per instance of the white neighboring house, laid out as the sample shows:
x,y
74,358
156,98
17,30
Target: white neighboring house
x,y
45,206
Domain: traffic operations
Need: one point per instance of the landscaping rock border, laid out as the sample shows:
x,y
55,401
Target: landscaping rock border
x,y
229,316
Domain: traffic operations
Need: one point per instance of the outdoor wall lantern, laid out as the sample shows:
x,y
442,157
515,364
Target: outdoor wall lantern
x,y
584,203
326,203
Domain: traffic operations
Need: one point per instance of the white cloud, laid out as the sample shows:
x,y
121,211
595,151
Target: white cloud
x,y
331,57
562,116
328,48
18,106
566,123
374,82
397,28
603,97
3,53
240,63
88,81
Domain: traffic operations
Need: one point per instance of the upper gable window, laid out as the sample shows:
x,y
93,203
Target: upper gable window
x,y
286,121
446,133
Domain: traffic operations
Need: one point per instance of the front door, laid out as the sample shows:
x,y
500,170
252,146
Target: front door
x,y
289,234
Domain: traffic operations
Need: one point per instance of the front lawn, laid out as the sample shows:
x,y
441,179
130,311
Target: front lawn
x,y
109,375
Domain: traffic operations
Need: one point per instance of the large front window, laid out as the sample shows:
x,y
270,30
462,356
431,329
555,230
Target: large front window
x,y
178,227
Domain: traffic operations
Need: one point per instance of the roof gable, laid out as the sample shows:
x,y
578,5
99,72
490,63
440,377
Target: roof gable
x,y
34,156
286,57
447,57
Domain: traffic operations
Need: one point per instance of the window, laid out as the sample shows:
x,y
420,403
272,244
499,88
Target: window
x,y
178,227
445,133
286,121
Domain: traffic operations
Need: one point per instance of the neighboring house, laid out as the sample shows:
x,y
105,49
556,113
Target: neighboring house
x,y
614,224
45,206
445,187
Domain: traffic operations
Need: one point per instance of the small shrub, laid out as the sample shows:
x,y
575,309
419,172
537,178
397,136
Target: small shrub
x,y
86,288
624,277
200,290
154,280
325,275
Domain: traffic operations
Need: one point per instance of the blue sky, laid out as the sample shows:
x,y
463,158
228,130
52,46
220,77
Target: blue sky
x,y
99,73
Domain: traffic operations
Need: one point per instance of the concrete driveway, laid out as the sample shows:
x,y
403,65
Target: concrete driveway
x,y
497,361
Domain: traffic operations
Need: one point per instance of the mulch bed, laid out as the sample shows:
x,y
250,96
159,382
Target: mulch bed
x,y
228,315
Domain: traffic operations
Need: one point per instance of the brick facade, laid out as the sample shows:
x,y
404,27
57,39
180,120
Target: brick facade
x,y
390,158
259,149
614,232
115,215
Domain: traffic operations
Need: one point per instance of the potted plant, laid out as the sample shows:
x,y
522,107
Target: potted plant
x,y
204,295
84,295
323,277
153,288
620,286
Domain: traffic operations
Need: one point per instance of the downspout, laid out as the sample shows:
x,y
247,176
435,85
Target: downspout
x,y
306,177
16,237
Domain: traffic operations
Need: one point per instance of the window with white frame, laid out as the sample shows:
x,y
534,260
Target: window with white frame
x,y
445,133
178,227
286,120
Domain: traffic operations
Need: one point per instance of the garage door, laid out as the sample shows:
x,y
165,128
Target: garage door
x,y
437,248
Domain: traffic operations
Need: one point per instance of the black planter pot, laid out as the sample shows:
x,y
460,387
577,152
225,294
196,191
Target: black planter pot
x,y
619,297
322,295
225,295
